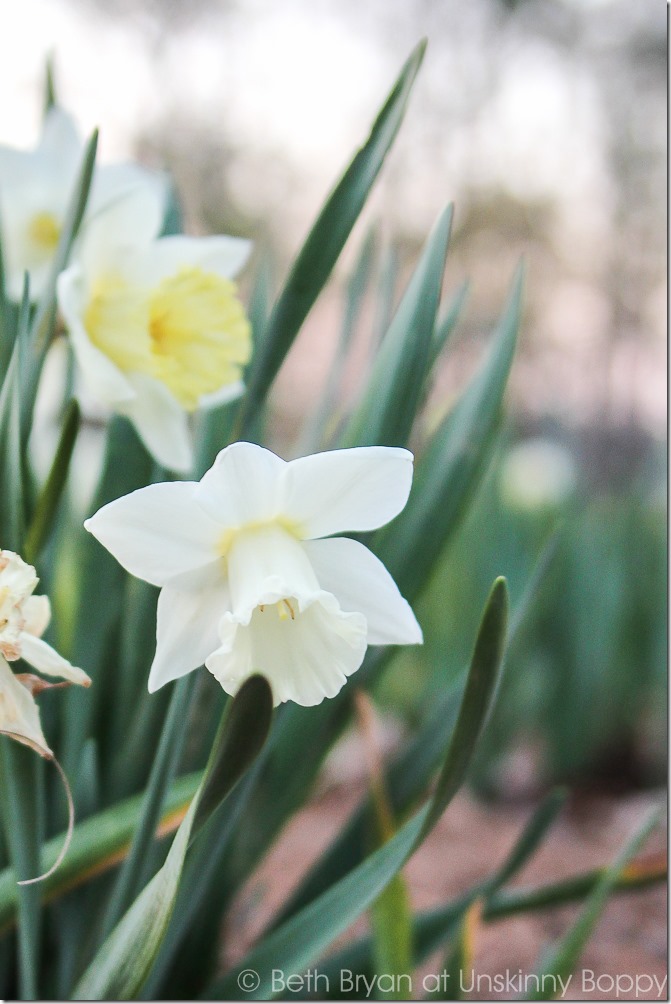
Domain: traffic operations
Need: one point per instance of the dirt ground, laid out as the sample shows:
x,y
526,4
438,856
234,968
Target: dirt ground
x,y
468,843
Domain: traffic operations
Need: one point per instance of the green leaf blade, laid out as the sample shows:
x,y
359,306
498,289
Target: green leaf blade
x,y
123,963
325,242
295,944
47,504
402,364
449,469
559,963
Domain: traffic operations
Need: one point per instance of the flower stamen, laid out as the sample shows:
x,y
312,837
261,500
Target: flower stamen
x,y
284,609
45,230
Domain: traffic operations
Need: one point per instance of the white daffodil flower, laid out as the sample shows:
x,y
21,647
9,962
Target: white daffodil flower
x,y
156,325
23,619
35,187
248,585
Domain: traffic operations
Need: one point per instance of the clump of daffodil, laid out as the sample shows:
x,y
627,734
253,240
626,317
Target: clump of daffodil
x,y
248,583
23,619
35,187
155,323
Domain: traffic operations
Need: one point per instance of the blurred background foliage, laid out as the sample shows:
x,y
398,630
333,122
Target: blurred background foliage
x,y
544,121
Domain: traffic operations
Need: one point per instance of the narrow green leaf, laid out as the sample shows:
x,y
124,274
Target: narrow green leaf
x,y
246,725
391,920
560,962
173,214
121,966
13,502
447,474
386,293
126,466
50,92
432,928
402,363
202,893
449,468
261,295
7,314
162,772
19,794
325,242
480,686
316,427
98,843
506,903
405,780
459,959
391,913
295,944
447,323
50,496
409,774
533,834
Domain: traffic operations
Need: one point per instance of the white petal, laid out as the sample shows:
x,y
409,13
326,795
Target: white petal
x,y
157,532
126,219
47,660
224,256
37,614
19,714
161,422
60,143
14,164
229,392
360,582
242,486
306,656
104,380
189,610
113,182
359,489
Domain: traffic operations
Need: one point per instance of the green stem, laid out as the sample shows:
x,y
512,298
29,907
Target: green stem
x,y
47,505
20,811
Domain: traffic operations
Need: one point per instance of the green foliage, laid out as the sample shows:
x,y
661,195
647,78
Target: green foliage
x,y
562,960
122,964
585,683
325,242
400,369
128,916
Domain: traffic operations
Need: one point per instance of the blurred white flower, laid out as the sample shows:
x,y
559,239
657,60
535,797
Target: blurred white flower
x,y
23,619
155,324
538,474
249,586
35,187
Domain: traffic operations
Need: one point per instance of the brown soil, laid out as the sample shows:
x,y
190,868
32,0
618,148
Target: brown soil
x,y
468,843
